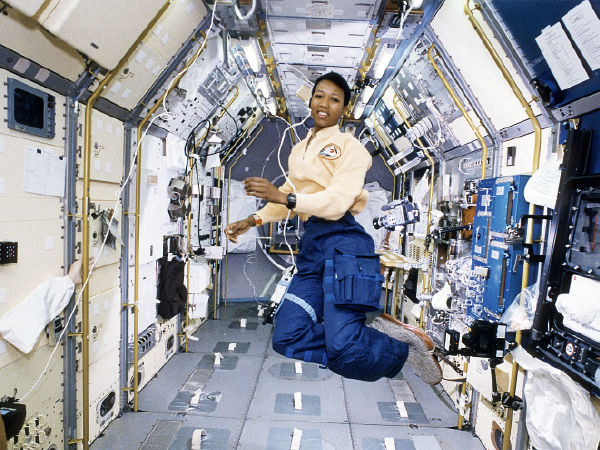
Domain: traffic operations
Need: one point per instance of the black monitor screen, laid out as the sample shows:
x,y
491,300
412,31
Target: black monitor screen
x,y
29,109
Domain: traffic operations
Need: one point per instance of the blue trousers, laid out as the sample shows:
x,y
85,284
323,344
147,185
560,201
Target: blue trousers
x,y
310,327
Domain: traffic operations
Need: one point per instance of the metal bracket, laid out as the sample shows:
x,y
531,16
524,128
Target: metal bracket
x,y
513,402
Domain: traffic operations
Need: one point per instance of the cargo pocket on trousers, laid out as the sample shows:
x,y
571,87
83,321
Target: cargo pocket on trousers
x,y
357,281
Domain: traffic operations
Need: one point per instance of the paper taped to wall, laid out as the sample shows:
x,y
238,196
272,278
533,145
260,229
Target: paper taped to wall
x,y
44,173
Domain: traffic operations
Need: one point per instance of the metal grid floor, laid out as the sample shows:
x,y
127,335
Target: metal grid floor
x,y
246,401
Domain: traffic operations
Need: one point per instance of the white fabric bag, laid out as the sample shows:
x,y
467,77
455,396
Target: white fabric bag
x,y
560,415
22,325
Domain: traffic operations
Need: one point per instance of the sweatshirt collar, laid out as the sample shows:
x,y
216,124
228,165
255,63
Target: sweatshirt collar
x,y
325,132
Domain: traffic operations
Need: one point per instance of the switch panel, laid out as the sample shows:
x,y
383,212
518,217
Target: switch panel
x,y
495,274
8,252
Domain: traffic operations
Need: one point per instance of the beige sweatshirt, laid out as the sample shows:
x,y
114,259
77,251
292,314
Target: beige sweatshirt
x,y
328,171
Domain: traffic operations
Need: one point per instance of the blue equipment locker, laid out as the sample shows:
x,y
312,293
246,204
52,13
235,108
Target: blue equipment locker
x,y
495,278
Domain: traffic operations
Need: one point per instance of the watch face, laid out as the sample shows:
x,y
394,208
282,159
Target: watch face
x,y
291,201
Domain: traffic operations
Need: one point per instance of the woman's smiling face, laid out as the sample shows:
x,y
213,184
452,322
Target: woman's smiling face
x,y
327,104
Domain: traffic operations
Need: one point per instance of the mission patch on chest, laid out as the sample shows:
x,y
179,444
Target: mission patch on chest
x,y
330,151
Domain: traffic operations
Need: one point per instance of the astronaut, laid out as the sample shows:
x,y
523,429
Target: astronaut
x,y
322,318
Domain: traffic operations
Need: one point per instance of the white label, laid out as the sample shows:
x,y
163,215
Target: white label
x,y
165,40
495,254
96,347
140,56
106,305
232,346
2,347
22,65
500,190
99,124
190,7
109,128
1,185
96,310
127,93
1,144
243,323
478,249
107,167
297,400
402,409
158,29
156,70
115,87
149,64
389,443
2,295
298,367
49,243
296,439
97,164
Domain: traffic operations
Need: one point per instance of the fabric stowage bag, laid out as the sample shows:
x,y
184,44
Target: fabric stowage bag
x,y
357,281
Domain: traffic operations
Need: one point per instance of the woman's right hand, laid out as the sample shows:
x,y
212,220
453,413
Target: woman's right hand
x,y
235,229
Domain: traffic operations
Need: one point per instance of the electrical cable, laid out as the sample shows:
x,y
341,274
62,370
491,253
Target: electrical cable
x,y
247,16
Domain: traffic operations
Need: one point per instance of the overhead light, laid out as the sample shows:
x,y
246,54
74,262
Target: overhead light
x,y
252,54
366,95
383,60
359,108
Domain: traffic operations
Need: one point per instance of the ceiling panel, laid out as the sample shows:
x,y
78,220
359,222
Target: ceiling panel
x,y
96,28
332,9
318,55
176,26
321,32
136,77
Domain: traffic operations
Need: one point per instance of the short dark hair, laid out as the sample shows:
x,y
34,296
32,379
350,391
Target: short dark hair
x,y
339,81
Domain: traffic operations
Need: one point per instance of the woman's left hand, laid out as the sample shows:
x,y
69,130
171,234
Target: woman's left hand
x,y
262,188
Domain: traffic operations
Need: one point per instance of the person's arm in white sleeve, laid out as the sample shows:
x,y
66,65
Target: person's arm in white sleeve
x,y
22,325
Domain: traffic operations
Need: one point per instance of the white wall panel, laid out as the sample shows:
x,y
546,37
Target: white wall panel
x,y
154,218
26,37
28,7
136,77
176,26
107,147
102,30
104,378
147,314
523,160
105,323
477,67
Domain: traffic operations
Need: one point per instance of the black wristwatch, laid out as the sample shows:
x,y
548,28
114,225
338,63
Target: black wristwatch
x,y
291,201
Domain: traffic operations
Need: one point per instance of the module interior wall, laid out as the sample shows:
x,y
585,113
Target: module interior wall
x,y
35,222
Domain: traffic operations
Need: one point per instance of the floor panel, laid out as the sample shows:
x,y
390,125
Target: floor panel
x,y
248,398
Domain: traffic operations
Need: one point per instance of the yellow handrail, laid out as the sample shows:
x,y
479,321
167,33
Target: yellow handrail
x,y
138,181
87,151
429,207
458,103
535,166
